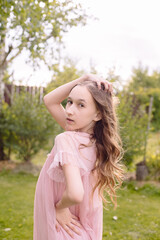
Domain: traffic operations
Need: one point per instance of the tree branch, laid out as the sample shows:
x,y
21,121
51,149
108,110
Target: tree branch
x,y
6,54
19,51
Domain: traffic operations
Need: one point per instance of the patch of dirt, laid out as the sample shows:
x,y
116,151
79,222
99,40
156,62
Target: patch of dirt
x,y
150,182
26,167
130,176
7,164
29,167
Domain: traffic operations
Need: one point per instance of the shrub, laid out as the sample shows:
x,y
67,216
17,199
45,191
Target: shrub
x,y
133,125
26,126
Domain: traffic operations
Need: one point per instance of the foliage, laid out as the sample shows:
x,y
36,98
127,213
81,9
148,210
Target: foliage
x,y
37,26
133,118
143,86
153,162
26,126
67,73
62,76
133,124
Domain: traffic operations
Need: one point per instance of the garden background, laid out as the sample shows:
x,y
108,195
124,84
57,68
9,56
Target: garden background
x,y
27,130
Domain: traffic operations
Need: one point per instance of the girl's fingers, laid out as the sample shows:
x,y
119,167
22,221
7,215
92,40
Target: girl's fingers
x,y
67,229
76,223
57,227
99,85
75,217
74,228
111,88
101,82
103,85
108,86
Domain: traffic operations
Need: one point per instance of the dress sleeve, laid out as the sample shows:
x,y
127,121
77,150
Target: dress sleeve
x,y
65,152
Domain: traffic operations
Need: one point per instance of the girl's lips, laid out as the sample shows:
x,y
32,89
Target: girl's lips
x,y
69,120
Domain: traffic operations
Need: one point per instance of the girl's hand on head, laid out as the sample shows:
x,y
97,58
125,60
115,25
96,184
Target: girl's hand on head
x,y
68,221
101,82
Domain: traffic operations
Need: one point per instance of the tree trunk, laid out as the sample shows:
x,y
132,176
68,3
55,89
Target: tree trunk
x,y
3,67
2,154
141,171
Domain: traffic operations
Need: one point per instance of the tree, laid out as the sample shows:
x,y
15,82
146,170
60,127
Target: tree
x,y
37,27
27,126
64,75
133,123
132,119
144,86
146,90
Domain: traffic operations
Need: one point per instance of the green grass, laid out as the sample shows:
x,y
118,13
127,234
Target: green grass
x,y
16,203
138,210
138,215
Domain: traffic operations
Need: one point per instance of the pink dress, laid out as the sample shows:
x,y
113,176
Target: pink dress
x,y
51,185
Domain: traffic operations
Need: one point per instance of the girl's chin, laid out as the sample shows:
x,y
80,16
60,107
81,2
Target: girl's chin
x,y
69,128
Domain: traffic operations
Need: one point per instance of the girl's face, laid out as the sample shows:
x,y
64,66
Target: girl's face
x,y
81,112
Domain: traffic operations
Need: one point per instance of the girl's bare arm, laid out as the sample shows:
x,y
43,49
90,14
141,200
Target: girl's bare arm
x,y
53,100
72,195
74,188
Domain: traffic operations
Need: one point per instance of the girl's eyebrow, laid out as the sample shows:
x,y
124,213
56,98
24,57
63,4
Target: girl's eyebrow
x,y
81,99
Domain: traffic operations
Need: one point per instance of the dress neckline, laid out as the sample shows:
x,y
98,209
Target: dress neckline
x,y
85,134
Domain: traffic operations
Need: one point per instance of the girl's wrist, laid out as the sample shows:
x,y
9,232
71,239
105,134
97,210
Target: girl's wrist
x,y
58,206
81,79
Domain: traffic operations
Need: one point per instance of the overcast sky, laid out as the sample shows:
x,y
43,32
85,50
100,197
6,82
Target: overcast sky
x,y
127,32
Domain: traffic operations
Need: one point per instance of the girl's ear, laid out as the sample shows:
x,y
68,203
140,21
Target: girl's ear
x,y
98,116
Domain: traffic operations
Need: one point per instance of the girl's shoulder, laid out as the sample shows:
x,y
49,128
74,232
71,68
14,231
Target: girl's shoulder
x,y
72,136
63,136
73,133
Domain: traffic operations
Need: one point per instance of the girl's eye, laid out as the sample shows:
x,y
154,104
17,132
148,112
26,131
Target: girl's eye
x,y
81,105
69,102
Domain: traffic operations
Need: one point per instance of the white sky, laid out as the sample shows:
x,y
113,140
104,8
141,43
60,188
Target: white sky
x,y
127,32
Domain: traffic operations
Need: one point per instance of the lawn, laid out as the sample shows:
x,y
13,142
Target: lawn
x,y
137,215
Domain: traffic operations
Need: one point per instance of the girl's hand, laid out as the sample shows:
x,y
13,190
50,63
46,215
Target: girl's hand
x,y
101,82
68,221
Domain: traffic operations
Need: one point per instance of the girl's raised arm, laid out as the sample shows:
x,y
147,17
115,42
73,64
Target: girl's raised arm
x,y
53,100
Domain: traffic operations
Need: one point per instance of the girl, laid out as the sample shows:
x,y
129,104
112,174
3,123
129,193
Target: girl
x,y
82,164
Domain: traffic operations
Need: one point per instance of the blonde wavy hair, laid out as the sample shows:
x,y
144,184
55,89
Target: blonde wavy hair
x,y
108,167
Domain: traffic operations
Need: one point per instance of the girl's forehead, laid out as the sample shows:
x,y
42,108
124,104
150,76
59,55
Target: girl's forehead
x,y
80,92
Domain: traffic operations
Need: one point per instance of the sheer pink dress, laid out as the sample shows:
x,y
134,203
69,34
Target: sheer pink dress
x,y
51,185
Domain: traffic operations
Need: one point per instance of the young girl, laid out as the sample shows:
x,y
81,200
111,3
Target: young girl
x,y
83,163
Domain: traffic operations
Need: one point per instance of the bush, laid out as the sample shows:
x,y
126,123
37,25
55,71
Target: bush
x,y
153,163
133,125
26,126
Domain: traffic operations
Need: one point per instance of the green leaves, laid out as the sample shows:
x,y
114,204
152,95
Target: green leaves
x,y
144,85
133,125
38,25
26,126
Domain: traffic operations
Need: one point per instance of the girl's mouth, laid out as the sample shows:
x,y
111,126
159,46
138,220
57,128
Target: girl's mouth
x,y
69,120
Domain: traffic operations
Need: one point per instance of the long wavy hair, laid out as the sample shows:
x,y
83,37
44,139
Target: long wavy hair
x,y
108,168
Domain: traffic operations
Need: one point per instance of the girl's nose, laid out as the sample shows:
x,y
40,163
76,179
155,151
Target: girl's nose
x,y
70,110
